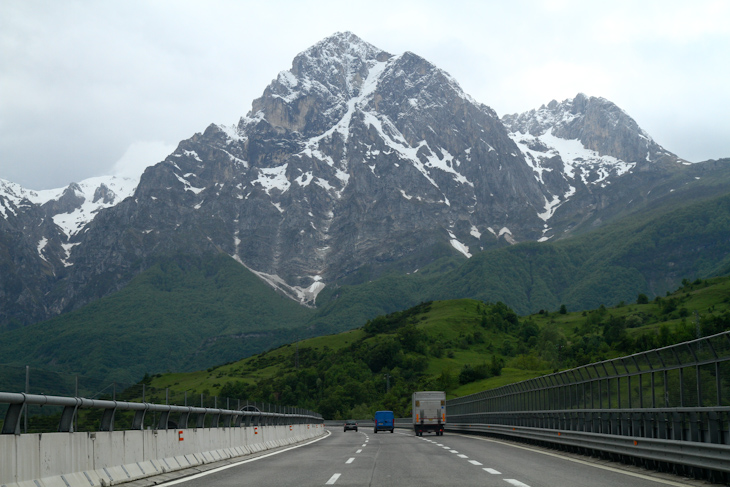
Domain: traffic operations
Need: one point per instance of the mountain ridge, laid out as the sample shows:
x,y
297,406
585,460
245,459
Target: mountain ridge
x,y
354,158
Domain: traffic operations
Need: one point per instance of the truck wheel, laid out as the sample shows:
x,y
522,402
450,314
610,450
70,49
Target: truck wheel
x,y
391,431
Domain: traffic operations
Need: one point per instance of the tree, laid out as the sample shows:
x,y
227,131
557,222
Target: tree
x,y
642,299
614,330
409,336
563,309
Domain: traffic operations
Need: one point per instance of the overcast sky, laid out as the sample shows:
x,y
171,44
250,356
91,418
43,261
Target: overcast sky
x,y
90,88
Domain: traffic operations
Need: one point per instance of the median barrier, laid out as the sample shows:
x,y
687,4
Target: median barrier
x,y
106,458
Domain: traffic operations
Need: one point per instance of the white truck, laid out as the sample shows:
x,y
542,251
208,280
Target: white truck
x,y
429,412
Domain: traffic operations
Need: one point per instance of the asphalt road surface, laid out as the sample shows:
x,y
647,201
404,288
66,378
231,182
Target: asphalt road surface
x,y
403,459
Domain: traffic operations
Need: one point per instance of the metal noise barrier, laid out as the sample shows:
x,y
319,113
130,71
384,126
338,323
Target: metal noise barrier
x,y
235,418
667,408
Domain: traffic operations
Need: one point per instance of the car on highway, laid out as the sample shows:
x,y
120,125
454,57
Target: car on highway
x,y
351,425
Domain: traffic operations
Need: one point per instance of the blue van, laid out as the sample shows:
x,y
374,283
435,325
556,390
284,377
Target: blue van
x,y
384,421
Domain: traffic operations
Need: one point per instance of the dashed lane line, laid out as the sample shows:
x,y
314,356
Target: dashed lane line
x,y
352,459
513,482
516,483
576,460
333,479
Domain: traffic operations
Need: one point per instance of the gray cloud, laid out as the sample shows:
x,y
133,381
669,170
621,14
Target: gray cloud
x,y
87,87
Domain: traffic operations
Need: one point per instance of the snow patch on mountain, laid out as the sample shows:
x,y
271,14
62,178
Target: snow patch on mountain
x,y
94,194
458,245
305,296
273,178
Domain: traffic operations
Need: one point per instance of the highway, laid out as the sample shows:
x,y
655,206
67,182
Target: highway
x,y
402,459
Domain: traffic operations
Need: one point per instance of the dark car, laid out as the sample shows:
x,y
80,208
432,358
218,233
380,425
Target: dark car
x,y
350,425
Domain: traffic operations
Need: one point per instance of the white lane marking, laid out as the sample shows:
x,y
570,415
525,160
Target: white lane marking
x,y
474,462
461,455
350,460
363,445
333,479
447,448
492,471
439,444
453,451
582,462
225,467
359,451
516,483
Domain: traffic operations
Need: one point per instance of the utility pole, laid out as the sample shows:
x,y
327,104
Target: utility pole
x,y
698,331
27,391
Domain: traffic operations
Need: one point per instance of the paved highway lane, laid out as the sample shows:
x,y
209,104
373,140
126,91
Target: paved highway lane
x,y
402,459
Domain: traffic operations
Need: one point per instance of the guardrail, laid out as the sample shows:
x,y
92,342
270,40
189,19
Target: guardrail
x,y
667,409
696,455
71,405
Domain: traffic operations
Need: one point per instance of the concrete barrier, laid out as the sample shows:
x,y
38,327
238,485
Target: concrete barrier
x,y
109,458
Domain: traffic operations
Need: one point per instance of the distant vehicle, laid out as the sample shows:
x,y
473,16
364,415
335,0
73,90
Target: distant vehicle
x,y
351,425
384,421
429,412
251,408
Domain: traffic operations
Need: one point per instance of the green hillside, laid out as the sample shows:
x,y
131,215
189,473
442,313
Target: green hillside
x,y
461,346
645,253
178,315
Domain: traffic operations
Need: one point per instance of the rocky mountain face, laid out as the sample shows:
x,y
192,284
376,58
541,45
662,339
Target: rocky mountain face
x,y
592,160
353,163
36,228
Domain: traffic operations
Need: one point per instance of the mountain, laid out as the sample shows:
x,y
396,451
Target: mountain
x,y
36,232
593,160
355,166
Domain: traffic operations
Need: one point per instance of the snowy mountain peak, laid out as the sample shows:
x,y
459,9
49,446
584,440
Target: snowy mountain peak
x,y
340,48
72,207
598,124
315,91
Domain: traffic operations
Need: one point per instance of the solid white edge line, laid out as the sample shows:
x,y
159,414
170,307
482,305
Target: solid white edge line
x,y
225,467
603,467
333,479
